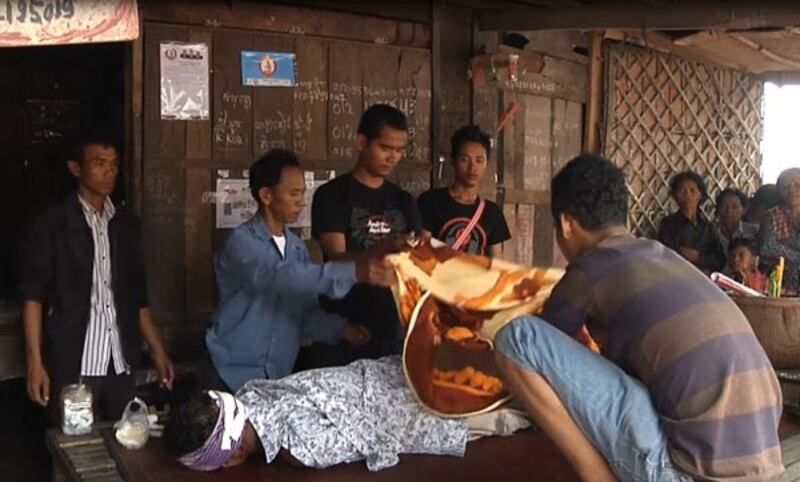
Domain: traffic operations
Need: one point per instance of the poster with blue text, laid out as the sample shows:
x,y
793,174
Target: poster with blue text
x,y
268,69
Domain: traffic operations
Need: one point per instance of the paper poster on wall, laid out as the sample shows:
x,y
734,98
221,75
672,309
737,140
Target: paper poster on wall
x,y
59,22
184,81
304,220
268,69
235,203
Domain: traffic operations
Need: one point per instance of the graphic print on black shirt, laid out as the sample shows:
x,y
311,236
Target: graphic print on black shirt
x,y
447,218
452,230
368,230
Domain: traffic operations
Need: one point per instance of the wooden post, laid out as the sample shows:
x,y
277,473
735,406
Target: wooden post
x,y
436,90
594,106
134,66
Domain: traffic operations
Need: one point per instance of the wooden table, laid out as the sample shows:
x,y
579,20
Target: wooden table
x,y
521,457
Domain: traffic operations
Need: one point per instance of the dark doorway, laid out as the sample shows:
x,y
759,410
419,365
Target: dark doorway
x,y
47,95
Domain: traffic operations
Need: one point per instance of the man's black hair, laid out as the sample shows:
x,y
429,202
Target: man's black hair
x,y
267,170
190,424
731,191
379,116
680,178
471,133
77,147
744,241
767,196
592,190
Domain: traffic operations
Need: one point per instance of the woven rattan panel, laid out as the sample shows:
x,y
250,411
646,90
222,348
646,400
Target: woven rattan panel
x,y
665,114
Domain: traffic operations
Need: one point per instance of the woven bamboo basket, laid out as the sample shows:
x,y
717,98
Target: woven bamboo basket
x,y
776,322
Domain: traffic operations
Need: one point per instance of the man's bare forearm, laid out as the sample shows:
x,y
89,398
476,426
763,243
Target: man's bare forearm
x,y
150,331
32,321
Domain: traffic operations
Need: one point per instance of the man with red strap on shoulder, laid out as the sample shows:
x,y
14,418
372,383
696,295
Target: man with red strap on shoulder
x,y
457,215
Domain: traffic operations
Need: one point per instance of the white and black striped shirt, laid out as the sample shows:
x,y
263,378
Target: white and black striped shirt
x,y
102,341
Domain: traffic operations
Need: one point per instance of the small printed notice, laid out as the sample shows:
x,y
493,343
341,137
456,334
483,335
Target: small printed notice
x,y
184,81
268,69
235,203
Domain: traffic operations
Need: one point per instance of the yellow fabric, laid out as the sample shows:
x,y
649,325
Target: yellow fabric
x,y
452,304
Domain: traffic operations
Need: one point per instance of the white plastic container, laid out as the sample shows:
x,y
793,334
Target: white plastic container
x,y
76,410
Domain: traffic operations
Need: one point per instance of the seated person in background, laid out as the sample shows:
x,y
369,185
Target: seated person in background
x,y
457,212
358,215
683,389
319,418
743,264
269,287
779,234
730,206
765,198
687,230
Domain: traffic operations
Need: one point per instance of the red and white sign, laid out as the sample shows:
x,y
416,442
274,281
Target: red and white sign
x,y
53,22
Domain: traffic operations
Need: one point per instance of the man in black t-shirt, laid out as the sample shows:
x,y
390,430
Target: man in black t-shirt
x,y
361,214
456,215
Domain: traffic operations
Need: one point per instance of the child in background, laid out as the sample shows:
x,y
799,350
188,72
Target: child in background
x,y
743,264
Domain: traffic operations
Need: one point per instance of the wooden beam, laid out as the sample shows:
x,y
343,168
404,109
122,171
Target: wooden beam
x,y
671,16
594,106
790,63
271,17
662,43
526,196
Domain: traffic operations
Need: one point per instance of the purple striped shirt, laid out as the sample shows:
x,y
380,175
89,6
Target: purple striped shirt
x,y
665,323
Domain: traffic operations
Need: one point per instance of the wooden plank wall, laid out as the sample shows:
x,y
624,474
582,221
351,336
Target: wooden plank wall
x,y
544,134
337,78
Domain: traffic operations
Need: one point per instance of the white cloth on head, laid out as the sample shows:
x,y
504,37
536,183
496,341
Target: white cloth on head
x,y
235,417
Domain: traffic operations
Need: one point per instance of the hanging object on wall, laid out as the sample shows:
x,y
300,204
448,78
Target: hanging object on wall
x,y
184,81
268,69
509,63
55,22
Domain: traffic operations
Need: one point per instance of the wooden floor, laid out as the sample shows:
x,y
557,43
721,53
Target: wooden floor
x,y
791,459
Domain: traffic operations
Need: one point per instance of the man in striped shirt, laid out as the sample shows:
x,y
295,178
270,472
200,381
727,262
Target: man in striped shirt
x,y
683,390
84,290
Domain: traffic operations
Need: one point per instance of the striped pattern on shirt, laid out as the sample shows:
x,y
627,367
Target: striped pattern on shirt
x,y
102,343
665,323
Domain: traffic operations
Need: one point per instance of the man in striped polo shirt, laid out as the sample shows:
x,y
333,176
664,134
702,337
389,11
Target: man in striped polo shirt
x,y
682,390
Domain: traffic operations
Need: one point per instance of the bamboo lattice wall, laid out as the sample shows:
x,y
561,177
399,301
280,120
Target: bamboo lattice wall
x,y
665,114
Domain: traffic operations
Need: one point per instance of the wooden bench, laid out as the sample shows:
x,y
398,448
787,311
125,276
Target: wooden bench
x,y
99,458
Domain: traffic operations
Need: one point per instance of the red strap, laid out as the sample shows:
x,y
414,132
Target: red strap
x,y
465,234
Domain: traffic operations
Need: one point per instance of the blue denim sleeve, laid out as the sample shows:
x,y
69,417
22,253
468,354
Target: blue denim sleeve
x,y
260,272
